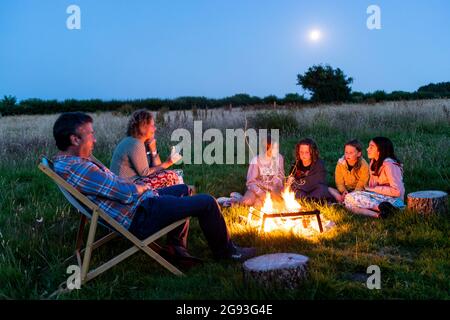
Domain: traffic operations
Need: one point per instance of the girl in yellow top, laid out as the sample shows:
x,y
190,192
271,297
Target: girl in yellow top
x,y
352,171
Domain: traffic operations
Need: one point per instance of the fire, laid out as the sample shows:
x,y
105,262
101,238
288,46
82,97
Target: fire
x,y
268,204
289,201
305,225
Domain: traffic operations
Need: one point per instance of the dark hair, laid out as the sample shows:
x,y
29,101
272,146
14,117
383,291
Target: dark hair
x,y
313,149
386,149
67,125
139,117
268,140
358,146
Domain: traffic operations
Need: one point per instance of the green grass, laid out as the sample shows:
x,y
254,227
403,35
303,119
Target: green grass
x,y
411,250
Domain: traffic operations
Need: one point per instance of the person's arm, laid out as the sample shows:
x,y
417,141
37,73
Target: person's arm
x,y
363,177
395,187
280,174
339,178
138,158
157,164
89,179
253,181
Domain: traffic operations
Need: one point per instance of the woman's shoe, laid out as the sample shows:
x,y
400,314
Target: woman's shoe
x,y
386,209
236,196
224,201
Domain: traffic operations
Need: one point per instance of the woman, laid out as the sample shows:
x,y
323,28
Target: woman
x,y
265,174
351,173
137,158
308,174
385,191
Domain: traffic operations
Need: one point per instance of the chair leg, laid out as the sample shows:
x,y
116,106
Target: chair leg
x,y
89,246
80,232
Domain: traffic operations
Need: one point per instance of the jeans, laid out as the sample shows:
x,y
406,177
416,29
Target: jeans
x,y
173,204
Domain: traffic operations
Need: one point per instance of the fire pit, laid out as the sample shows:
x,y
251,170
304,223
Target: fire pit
x,y
286,214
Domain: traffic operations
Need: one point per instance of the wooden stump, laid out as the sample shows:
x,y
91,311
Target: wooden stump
x,y
428,202
286,270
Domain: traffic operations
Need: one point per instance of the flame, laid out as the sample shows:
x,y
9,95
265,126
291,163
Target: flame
x,y
305,226
268,204
290,203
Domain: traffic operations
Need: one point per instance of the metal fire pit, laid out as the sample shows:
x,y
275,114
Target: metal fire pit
x,y
290,215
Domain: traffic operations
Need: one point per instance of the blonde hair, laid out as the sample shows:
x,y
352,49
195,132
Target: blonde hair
x,y
138,118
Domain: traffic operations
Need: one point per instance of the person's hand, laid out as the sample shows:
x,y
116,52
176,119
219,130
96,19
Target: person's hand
x,y
175,156
141,188
151,144
289,181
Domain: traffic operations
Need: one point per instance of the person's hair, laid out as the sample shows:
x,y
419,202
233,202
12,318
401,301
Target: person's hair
x,y
386,149
268,140
313,150
358,146
67,125
138,118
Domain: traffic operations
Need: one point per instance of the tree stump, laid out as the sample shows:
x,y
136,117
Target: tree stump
x,y
286,270
428,202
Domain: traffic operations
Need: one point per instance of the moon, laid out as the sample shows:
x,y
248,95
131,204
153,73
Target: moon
x,y
315,35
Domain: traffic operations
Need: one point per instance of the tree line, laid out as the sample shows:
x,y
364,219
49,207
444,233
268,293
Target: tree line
x,y
324,84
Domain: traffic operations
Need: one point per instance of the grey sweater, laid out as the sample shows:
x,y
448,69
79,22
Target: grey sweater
x,y
130,159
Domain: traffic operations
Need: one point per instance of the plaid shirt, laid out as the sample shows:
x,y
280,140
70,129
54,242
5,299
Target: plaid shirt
x,y
116,196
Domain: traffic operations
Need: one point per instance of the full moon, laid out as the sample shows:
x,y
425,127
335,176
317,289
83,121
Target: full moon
x,y
314,35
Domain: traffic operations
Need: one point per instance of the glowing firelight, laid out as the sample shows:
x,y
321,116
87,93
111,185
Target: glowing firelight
x,y
268,204
289,201
289,205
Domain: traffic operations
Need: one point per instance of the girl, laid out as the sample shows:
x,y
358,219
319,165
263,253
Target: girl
x,y
265,174
385,192
137,158
352,171
308,174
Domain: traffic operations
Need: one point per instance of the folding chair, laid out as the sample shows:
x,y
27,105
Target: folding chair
x,y
90,211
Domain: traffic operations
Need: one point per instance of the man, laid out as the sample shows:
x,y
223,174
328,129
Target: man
x,y
135,206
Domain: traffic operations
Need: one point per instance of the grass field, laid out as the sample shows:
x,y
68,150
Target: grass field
x,y
38,227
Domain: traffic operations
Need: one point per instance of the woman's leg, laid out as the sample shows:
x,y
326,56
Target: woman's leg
x,y
362,202
365,212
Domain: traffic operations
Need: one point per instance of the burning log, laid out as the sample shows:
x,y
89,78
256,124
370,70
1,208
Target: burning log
x,y
428,202
286,270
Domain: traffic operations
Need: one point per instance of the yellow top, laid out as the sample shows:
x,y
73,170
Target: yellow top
x,y
352,180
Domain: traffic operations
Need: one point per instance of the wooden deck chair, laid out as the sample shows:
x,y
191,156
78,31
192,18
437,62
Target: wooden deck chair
x,y
90,211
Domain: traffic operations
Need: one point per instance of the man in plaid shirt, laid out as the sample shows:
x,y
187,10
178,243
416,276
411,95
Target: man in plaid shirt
x,y
135,206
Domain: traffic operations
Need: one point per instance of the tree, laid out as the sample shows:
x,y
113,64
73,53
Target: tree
x,y
8,101
441,87
326,84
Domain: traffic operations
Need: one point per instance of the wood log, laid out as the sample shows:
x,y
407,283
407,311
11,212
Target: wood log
x,y
285,270
428,202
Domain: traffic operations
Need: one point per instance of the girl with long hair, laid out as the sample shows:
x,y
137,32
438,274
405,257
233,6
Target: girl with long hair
x,y
385,191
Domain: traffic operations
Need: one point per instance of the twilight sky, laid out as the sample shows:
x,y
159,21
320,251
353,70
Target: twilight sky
x,y
166,49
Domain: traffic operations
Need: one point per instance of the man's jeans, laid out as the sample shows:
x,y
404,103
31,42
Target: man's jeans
x,y
173,204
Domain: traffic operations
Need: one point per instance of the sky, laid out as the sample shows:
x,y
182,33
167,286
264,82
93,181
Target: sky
x,y
215,48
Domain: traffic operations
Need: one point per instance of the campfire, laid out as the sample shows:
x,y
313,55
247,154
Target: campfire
x,y
287,214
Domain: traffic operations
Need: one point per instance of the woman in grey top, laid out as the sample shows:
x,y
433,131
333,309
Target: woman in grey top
x,y
136,156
